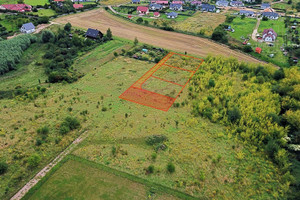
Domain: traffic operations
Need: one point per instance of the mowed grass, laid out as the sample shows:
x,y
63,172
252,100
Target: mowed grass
x,y
36,2
200,21
242,28
78,180
114,2
45,13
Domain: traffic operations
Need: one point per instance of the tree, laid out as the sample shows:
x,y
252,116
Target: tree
x,y
211,83
109,34
290,2
47,36
139,20
34,160
68,27
219,35
243,17
135,41
298,6
247,49
3,167
279,74
20,1
229,19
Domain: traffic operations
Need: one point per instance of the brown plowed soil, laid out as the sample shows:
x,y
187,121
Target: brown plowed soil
x,y
102,20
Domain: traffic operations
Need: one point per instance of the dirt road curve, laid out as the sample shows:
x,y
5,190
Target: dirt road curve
x,y
102,20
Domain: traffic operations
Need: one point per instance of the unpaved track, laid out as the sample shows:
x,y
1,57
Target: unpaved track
x,y
21,193
100,19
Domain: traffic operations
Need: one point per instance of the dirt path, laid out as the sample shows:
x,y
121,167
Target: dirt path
x,y
102,20
21,193
38,29
255,30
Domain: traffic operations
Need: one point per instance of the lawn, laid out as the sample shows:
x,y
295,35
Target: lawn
x,y
77,179
114,2
243,28
36,2
45,12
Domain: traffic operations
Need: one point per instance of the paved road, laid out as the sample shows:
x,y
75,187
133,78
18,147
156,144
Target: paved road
x,y
101,20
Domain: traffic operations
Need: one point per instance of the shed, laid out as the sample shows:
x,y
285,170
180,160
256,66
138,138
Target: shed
x,y
258,50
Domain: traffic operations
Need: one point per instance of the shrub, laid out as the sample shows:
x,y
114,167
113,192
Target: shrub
x,y
234,115
279,74
3,168
155,139
43,130
33,160
139,20
72,122
247,49
68,27
114,151
211,83
171,167
154,156
64,130
202,175
150,169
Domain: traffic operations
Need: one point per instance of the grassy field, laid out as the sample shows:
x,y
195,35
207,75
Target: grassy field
x,y
45,12
21,118
200,21
114,2
36,2
92,182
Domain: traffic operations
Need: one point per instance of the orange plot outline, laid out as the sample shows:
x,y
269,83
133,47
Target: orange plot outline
x,y
135,93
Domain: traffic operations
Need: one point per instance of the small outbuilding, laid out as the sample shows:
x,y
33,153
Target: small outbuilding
x,y
93,34
156,14
27,28
258,50
172,15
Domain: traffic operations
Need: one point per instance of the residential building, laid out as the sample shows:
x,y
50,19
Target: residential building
x,y
16,7
27,28
270,15
172,15
269,35
236,4
176,7
208,7
247,13
143,10
136,1
222,3
154,6
265,5
93,34
77,6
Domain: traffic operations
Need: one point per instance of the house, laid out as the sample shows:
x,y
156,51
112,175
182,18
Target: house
x,y
143,10
258,50
154,6
27,28
247,13
93,34
136,1
176,7
208,7
236,4
265,5
249,1
77,6
222,3
196,3
269,35
178,2
16,7
270,15
172,15
156,14
163,3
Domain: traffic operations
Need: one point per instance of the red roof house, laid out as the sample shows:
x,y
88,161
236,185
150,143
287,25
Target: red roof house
x,y
59,0
143,10
156,14
77,6
258,50
269,35
16,7
177,2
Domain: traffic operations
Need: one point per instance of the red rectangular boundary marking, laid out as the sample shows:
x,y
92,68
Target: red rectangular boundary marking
x,y
166,80
179,68
151,99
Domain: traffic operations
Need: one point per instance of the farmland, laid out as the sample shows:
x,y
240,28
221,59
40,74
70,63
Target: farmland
x,y
193,45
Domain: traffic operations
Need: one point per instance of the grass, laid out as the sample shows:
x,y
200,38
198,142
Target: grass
x,y
45,12
194,144
114,2
109,183
20,119
36,2
8,24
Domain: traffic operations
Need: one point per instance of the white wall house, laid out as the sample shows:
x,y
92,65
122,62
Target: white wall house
x,y
27,28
